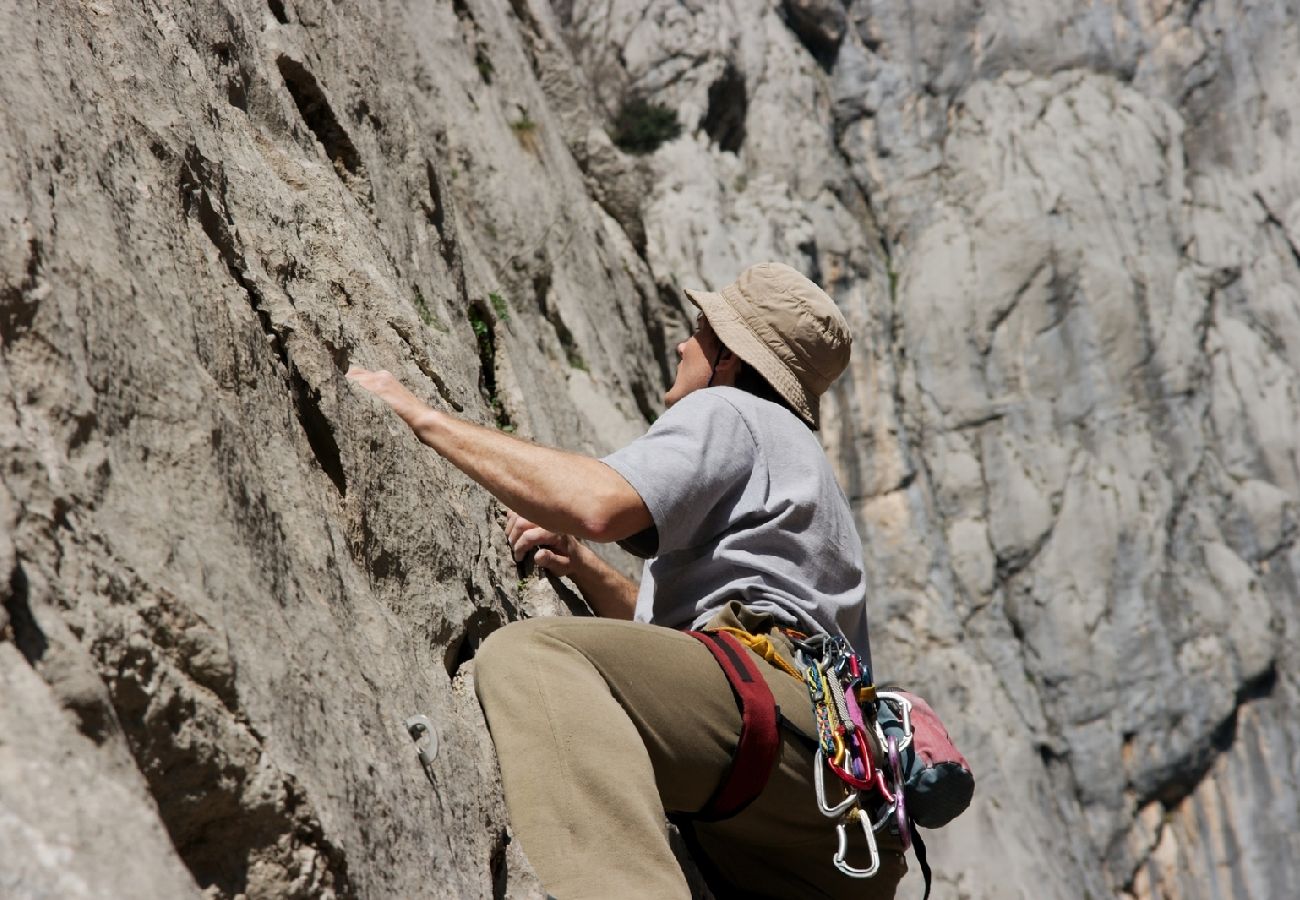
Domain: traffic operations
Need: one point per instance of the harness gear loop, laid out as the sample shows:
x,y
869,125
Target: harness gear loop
x,y
841,832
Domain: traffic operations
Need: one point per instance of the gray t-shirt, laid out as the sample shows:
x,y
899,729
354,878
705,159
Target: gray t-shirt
x,y
744,502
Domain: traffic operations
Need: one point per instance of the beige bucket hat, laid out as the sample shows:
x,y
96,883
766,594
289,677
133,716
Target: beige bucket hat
x,y
783,325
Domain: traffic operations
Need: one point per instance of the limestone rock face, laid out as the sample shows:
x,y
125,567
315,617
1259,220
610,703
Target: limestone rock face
x,y
1067,237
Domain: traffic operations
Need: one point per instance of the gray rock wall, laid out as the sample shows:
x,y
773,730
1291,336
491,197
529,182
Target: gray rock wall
x,y
1067,238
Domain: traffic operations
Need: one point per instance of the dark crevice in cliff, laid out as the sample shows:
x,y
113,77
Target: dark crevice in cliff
x,y
319,115
17,306
277,10
462,647
232,72
436,214
472,35
480,320
572,355
530,27
22,630
196,200
497,865
657,330
541,285
316,426
1007,566
728,103
441,213
642,393
819,28
425,365
1271,218
1185,775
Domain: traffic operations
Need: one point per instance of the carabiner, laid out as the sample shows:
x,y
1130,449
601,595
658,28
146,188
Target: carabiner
x,y
840,749
884,817
883,787
905,714
850,779
842,833
819,778
900,802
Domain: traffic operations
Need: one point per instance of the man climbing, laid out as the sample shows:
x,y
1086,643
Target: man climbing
x,y
601,725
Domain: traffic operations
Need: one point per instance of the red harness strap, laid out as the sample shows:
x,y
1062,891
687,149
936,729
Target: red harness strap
x,y
759,741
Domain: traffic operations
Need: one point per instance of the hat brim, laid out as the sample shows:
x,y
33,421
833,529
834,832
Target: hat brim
x,y
740,339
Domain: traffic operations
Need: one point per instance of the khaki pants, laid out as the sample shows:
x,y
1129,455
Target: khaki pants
x,y
602,725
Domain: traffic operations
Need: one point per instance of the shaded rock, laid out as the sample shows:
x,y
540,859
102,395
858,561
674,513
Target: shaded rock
x,y
819,24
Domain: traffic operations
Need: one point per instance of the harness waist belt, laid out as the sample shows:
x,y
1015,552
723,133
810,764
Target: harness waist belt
x,y
760,740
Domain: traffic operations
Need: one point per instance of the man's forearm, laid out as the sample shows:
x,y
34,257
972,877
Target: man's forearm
x,y
608,593
563,491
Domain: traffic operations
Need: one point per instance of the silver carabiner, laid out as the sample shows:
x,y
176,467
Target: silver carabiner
x,y
900,800
819,778
905,714
884,817
841,832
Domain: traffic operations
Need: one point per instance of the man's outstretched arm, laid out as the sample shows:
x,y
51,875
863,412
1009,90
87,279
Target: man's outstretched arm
x,y
561,491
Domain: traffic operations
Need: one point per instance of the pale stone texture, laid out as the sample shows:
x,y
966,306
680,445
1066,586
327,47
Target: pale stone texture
x,y
1067,238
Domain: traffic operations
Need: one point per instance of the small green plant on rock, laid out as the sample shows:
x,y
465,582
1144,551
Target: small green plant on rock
x,y
641,126
484,64
525,130
499,306
422,307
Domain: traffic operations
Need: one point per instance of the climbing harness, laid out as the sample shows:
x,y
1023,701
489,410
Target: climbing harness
x,y
756,751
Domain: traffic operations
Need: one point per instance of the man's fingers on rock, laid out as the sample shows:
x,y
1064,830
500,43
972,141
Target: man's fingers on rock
x,y
534,537
519,528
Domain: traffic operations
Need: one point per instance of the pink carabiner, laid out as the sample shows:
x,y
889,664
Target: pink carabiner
x,y
882,787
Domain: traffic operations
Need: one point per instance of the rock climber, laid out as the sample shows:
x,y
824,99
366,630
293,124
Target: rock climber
x,y
603,725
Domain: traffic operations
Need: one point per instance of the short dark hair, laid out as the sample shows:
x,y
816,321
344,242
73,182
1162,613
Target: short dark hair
x,y
751,382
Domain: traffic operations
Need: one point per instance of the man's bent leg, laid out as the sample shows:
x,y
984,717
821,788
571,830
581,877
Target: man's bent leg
x,y
599,725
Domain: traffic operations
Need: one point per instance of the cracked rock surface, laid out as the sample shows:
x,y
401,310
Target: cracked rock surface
x,y
1067,238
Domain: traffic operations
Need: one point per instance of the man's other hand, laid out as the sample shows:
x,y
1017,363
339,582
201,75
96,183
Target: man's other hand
x,y
555,551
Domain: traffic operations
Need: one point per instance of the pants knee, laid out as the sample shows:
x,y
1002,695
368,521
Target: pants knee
x,y
506,656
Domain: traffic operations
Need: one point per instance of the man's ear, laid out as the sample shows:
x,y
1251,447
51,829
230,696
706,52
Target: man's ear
x,y
728,367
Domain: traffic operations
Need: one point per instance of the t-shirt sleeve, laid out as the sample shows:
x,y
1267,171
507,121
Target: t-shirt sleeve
x,y
697,456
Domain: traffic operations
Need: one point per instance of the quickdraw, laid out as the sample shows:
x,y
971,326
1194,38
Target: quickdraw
x,y
854,747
